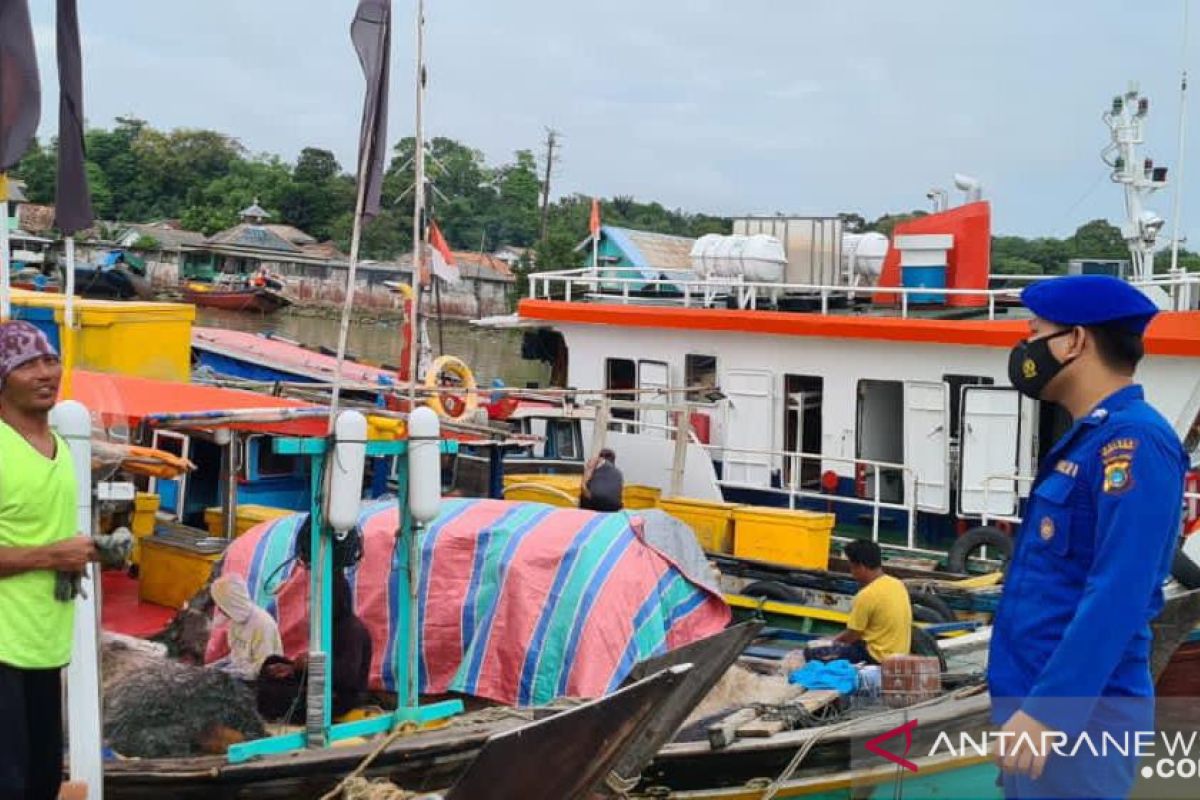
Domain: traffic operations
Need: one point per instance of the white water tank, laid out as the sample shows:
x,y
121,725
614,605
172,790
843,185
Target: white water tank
x,y
863,254
758,258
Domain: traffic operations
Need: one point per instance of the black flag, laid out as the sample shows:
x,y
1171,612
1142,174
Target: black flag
x,y
73,201
371,33
20,96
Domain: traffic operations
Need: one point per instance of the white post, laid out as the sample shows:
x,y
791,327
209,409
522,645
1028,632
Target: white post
x,y
69,293
5,260
418,211
74,424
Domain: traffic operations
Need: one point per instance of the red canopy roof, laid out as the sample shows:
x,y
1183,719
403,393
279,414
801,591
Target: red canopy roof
x,y
128,400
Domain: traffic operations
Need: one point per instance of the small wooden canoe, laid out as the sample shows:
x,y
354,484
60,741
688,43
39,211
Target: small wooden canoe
x,y
252,298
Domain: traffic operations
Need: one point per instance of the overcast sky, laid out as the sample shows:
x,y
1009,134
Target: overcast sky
x,y
724,106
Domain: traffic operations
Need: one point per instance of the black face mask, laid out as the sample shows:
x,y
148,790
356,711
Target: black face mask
x,y
1031,365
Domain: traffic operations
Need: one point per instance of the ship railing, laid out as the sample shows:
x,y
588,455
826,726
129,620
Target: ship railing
x,y
613,284
795,493
987,517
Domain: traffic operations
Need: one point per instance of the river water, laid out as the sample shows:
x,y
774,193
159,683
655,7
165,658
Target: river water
x,y
489,353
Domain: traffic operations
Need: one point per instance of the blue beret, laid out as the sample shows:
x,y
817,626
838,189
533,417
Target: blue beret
x,y
1089,300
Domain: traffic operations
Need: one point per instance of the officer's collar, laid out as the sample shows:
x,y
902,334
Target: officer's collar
x,y
1116,401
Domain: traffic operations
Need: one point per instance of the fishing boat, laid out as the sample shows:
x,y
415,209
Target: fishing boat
x,y
506,758
875,391
117,275
261,299
269,357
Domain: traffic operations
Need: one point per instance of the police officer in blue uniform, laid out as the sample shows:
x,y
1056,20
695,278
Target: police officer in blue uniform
x,y
1071,641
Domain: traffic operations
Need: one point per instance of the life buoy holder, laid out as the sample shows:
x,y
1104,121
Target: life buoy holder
x,y
446,401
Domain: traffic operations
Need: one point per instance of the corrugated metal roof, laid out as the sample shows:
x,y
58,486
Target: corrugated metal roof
x,y
292,234
257,237
169,238
649,253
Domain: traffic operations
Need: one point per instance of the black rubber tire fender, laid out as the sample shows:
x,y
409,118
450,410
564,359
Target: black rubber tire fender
x,y
930,600
771,590
1186,571
924,644
972,540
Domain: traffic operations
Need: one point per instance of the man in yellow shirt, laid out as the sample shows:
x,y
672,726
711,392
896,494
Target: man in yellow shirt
x,y
37,539
880,623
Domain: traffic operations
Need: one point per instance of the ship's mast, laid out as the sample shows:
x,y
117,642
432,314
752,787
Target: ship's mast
x,y
1126,119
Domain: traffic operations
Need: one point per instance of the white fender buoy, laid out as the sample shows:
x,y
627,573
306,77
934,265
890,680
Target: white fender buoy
x,y
424,465
344,467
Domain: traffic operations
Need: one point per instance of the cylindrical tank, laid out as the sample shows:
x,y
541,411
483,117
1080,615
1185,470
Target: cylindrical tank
x,y
424,464
758,258
863,254
345,465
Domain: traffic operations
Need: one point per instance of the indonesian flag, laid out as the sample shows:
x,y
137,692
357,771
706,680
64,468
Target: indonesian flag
x,y
443,260
594,223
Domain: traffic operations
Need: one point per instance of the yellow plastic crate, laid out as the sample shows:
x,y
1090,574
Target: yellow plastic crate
x,y
795,538
555,490
141,524
711,521
636,496
147,340
248,516
170,574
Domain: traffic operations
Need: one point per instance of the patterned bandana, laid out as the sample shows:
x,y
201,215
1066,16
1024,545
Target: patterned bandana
x,y
20,343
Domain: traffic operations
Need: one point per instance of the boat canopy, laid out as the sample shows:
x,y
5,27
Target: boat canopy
x,y
122,399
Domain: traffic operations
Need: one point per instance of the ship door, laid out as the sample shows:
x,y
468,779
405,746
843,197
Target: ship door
x,y
654,375
749,432
990,435
802,430
927,443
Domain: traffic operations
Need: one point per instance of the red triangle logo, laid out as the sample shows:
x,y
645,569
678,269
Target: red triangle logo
x,y
906,729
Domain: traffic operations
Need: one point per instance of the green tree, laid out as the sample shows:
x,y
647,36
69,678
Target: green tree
x,y
1098,239
37,169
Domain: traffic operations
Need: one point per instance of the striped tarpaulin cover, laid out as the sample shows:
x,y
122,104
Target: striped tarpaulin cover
x,y
518,602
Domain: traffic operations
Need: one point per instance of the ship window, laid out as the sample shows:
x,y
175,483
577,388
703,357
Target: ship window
x,y
699,375
881,437
621,374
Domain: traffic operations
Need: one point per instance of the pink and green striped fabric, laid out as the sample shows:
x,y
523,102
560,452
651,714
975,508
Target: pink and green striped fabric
x,y
519,602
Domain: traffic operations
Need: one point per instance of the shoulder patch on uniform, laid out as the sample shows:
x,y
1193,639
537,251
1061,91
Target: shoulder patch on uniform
x,y
1117,457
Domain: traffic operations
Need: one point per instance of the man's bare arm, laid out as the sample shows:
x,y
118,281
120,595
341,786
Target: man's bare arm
x,y
68,555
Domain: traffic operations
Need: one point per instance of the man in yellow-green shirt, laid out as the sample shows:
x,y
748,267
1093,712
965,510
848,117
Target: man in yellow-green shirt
x,y
880,623
37,540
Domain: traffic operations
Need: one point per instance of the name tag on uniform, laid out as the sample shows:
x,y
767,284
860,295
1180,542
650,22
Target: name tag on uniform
x,y
1068,468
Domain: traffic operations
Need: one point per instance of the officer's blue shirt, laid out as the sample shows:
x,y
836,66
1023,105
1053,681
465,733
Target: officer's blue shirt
x,y
1093,551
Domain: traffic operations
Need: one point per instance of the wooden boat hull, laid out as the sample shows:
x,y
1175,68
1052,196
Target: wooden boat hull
x,y
967,776
685,767
263,301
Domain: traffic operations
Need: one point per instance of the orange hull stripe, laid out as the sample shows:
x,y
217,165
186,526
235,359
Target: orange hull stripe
x,y
1174,333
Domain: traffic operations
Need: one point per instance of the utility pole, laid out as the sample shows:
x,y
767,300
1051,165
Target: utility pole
x,y
551,142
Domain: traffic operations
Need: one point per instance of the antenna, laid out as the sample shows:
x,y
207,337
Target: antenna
x,y
1126,120
1183,85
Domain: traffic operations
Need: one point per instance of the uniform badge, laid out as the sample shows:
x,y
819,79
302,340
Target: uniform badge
x,y
1117,457
1046,529
1029,369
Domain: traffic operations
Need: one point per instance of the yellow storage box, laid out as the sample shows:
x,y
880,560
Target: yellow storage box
x,y
795,538
636,496
146,340
141,525
175,566
555,490
248,516
711,521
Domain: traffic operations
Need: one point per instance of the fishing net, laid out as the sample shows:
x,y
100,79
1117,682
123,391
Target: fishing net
x,y
168,709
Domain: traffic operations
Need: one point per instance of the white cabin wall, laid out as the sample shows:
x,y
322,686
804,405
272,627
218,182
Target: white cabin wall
x,y
1171,382
842,363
